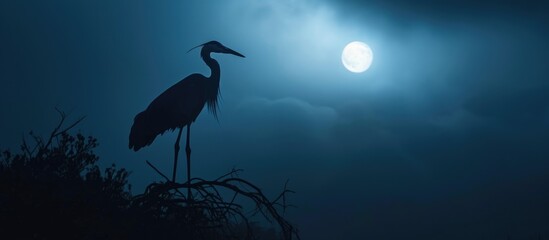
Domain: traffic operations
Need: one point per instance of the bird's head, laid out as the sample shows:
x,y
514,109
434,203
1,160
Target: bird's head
x,y
216,47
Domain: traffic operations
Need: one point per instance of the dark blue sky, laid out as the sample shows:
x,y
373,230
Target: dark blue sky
x,y
444,137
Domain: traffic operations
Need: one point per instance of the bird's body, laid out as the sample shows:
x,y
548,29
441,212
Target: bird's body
x,y
187,99
180,105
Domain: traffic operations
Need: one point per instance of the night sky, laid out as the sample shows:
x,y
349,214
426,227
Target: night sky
x,y
446,136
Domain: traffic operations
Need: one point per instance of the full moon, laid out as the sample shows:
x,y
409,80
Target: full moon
x,y
357,57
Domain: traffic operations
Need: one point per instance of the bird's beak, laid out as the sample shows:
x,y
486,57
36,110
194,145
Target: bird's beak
x,y
233,52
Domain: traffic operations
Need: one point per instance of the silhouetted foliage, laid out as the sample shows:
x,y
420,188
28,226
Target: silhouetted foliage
x,y
54,189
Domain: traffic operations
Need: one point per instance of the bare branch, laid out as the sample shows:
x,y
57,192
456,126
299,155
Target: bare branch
x,y
157,171
210,200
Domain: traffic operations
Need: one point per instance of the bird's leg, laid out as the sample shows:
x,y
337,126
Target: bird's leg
x,y
188,151
176,148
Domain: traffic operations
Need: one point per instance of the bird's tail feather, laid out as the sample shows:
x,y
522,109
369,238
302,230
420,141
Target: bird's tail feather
x,y
143,132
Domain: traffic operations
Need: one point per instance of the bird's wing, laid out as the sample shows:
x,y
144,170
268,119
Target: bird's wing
x,y
176,107
181,102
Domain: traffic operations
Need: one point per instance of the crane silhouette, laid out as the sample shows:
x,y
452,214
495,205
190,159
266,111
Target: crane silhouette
x,y
180,105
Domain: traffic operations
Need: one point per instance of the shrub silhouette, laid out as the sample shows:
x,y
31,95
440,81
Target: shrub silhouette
x,y
54,189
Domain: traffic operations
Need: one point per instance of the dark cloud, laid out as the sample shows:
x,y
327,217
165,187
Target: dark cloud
x,y
454,10
527,105
287,116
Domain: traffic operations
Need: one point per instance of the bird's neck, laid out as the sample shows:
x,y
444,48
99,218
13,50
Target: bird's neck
x,y
214,66
212,93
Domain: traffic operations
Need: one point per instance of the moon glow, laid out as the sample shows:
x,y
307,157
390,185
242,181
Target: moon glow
x,y
357,57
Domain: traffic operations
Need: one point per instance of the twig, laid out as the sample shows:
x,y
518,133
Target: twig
x,y
157,171
56,132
